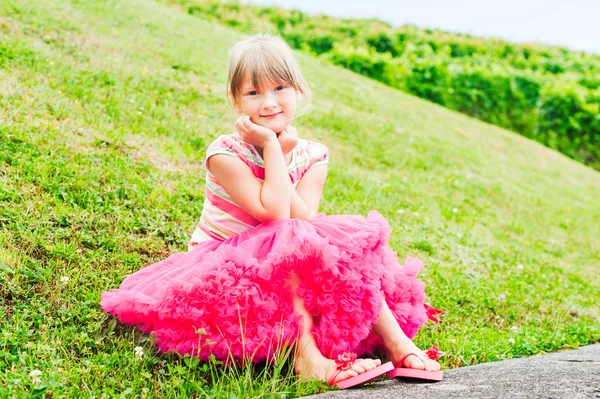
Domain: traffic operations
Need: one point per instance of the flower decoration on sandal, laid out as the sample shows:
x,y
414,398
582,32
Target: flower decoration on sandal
x,y
345,360
434,352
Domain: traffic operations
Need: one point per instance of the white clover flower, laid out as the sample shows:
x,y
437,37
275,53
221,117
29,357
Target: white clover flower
x,y
520,266
502,297
454,210
64,280
139,351
511,341
514,329
35,376
400,211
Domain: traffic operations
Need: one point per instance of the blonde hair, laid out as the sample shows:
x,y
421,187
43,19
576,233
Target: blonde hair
x,y
264,59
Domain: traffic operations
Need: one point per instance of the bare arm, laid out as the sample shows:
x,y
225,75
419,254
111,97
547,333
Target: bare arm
x,y
276,192
308,193
266,201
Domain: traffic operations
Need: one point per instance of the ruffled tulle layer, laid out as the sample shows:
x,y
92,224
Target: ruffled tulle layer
x,y
233,298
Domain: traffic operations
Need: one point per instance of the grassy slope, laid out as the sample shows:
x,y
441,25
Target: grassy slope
x,y
105,112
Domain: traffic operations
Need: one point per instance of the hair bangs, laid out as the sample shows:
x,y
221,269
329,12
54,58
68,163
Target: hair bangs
x,y
268,66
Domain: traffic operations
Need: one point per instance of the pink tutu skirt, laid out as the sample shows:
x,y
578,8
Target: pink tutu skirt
x,y
233,298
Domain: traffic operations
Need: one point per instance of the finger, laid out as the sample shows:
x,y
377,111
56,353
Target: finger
x,y
240,121
239,125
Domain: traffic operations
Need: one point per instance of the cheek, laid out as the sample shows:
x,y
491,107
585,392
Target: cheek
x,y
251,107
289,102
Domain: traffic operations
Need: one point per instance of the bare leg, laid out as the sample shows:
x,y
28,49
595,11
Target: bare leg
x,y
310,362
397,343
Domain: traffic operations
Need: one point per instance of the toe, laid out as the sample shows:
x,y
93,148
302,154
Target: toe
x,y
344,375
432,365
368,364
358,368
414,362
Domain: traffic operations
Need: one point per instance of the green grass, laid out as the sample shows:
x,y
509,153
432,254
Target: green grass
x,y
106,108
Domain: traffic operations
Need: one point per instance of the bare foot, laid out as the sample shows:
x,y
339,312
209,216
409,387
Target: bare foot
x,y
419,362
319,367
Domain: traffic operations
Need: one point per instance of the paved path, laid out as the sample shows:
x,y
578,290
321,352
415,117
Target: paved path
x,y
572,374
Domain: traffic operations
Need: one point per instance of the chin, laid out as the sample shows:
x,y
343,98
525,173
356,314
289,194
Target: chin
x,y
276,127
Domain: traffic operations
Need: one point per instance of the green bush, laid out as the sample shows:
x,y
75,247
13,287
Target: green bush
x,y
570,121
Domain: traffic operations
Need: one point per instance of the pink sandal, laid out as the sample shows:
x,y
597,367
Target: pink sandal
x,y
345,361
432,353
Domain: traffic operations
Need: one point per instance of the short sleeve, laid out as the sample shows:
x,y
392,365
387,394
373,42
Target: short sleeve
x,y
224,145
318,153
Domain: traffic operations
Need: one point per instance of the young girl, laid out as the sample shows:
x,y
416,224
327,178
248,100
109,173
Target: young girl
x,y
264,269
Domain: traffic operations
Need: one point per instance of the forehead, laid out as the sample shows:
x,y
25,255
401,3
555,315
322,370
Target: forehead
x,y
248,83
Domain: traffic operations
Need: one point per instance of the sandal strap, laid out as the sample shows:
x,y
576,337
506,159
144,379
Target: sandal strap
x,y
332,378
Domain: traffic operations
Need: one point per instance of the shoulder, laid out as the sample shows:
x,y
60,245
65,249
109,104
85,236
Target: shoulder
x,y
311,147
230,141
314,152
229,144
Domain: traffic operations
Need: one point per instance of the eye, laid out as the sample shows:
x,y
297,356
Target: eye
x,y
252,93
278,88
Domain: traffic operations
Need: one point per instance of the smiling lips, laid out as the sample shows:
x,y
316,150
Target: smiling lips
x,y
271,115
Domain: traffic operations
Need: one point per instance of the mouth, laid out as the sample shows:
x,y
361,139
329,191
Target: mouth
x,y
271,115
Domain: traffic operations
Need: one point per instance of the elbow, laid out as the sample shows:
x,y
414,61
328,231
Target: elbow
x,y
275,215
274,218
309,217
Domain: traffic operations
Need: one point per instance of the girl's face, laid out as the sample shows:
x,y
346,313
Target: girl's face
x,y
272,106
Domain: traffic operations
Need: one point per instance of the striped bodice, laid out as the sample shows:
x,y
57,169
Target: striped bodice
x,y
221,218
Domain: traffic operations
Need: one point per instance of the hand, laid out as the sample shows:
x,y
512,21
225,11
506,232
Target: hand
x,y
288,139
252,133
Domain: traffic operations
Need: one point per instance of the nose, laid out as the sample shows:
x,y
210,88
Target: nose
x,y
270,100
